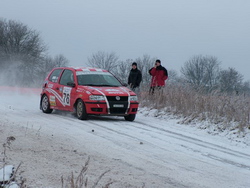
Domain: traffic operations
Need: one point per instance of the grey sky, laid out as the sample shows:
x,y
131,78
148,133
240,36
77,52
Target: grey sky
x,y
171,30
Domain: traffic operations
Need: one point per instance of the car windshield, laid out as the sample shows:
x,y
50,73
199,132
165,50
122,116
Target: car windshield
x,y
92,78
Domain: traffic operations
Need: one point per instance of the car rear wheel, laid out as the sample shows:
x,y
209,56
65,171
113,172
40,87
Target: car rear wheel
x,y
81,110
130,117
45,104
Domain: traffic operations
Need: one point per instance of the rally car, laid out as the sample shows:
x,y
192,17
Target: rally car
x,y
87,91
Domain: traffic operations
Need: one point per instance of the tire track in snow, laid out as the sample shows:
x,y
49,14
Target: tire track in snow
x,y
178,136
203,144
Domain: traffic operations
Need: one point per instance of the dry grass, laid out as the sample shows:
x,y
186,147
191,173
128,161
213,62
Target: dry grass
x,y
81,181
16,175
193,105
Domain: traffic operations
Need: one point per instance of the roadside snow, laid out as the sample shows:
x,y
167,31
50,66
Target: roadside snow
x,y
155,150
228,131
6,172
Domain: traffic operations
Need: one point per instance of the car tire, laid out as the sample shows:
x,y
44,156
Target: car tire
x,y
45,105
81,110
130,117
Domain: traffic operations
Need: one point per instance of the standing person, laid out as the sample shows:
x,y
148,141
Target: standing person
x,y
134,78
159,76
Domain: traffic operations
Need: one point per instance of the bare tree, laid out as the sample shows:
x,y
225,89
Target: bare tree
x,y
122,70
48,63
144,64
21,50
212,72
107,61
246,87
173,76
20,42
22,55
60,61
194,70
230,80
201,71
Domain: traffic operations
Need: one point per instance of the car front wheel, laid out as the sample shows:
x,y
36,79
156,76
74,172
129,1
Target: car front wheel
x,y
45,104
130,117
81,110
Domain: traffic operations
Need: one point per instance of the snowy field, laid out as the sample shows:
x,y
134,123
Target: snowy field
x,y
157,152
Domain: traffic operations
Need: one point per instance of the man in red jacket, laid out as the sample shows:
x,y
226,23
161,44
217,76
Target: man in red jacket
x,y
159,76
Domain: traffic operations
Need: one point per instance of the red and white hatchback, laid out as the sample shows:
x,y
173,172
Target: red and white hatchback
x,y
87,91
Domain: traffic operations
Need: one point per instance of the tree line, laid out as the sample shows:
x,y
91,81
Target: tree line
x,y
202,73
24,58
24,61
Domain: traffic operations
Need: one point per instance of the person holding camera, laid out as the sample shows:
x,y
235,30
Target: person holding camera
x,y
159,76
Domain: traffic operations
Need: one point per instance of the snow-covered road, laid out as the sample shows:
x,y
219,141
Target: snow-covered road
x,y
155,152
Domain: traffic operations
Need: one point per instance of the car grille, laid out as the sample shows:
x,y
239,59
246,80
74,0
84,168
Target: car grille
x,y
118,106
113,98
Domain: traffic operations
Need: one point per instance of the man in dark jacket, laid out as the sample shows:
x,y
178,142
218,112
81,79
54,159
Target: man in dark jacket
x,y
135,77
159,76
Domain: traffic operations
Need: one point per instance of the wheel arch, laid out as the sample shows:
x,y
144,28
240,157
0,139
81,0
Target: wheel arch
x,y
75,103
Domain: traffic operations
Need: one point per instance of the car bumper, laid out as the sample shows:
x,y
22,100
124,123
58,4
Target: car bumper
x,y
101,108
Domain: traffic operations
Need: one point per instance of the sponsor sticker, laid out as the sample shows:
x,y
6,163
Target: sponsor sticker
x,y
112,90
50,85
52,100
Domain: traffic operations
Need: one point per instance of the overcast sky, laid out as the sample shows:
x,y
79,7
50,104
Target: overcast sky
x,y
171,30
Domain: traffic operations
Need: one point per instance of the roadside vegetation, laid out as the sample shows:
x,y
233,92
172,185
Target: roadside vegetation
x,y
81,180
10,176
226,112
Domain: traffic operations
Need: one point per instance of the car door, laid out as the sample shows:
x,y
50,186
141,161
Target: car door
x,y
66,90
52,87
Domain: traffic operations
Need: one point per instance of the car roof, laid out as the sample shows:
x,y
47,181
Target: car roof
x,y
85,69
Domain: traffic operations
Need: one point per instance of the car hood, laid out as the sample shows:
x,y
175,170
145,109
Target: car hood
x,y
110,91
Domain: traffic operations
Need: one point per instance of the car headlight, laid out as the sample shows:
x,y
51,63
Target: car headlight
x,y
96,97
133,98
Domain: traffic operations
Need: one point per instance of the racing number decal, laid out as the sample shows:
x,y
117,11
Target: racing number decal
x,y
66,95
66,98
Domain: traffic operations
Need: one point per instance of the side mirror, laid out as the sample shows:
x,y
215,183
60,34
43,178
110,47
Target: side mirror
x,y
124,84
71,84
